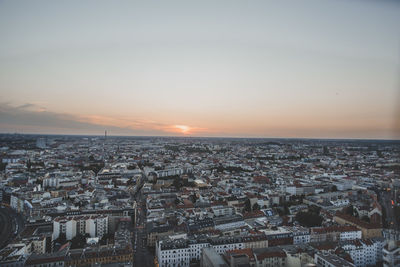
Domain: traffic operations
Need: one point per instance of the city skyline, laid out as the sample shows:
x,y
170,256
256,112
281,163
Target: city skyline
x,y
316,69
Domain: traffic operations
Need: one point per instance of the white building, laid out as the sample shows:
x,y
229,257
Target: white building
x,y
172,172
340,202
350,234
301,235
17,203
364,252
196,249
94,225
230,225
223,210
330,260
294,190
173,252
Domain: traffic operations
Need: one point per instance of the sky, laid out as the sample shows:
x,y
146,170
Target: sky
x,y
301,69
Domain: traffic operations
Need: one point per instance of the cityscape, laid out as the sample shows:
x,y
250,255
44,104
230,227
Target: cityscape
x,y
183,201
200,133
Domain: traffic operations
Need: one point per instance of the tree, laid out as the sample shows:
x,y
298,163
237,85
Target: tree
x,y
106,239
193,198
2,166
177,183
29,164
256,206
334,188
62,239
365,218
349,210
314,209
309,219
78,241
286,210
247,205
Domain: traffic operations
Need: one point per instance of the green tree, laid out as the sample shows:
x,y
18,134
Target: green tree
x,y
29,164
193,198
256,206
247,205
349,210
177,183
365,218
309,219
2,166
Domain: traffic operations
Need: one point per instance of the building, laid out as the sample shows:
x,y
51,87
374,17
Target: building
x,y
279,238
228,222
71,226
19,204
270,257
155,233
171,252
55,259
223,210
13,255
335,233
299,255
301,235
391,254
368,230
325,259
172,172
240,257
102,255
364,252
210,258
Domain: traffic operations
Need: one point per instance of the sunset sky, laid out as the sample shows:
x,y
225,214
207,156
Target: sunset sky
x,y
314,69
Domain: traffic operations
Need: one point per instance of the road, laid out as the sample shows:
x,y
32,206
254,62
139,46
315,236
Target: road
x,y
386,201
5,227
142,255
11,224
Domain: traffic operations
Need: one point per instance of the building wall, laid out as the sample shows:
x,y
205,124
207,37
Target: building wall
x,y
272,262
70,229
366,232
90,227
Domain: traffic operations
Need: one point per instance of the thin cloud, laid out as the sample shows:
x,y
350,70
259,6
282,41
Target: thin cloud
x,y
28,117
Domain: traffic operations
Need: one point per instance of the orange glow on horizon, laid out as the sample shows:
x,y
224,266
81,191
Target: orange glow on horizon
x,y
183,129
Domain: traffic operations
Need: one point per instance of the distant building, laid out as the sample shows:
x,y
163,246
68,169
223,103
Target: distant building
x,y
41,143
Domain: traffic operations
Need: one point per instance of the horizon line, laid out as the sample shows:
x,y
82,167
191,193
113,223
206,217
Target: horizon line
x,y
207,137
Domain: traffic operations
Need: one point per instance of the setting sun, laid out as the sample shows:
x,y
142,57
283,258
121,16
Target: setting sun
x,y
183,129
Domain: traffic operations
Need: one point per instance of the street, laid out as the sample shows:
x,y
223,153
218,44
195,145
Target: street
x,y
387,205
142,256
11,224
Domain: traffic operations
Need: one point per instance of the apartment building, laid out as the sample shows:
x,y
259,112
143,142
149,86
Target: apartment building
x,y
94,225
